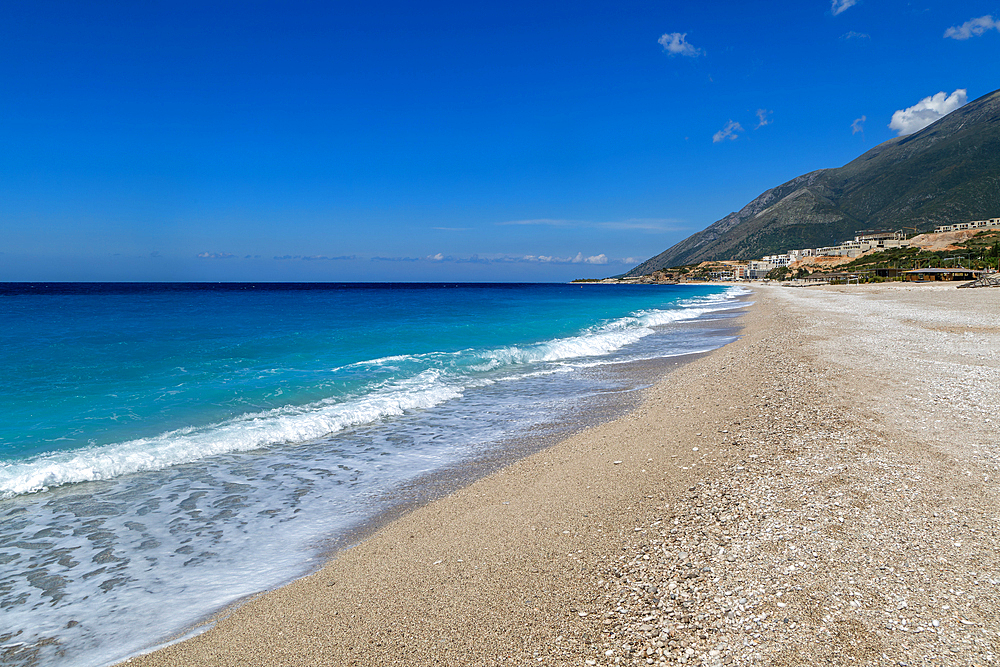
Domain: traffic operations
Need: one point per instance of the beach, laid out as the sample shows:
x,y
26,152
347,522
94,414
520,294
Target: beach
x,y
822,490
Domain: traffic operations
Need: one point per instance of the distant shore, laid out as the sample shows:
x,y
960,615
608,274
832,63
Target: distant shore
x,y
822,489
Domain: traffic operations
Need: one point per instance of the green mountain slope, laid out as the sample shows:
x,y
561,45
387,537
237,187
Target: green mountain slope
x,y
948,172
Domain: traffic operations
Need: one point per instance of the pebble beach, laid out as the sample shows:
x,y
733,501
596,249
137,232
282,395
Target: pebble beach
x,y
821,491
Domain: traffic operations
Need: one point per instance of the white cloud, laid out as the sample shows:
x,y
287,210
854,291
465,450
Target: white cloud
x,y
544,259
216,255
676,44
728,132
926,111
644,224
596,259
311,258
435,258
858,125
543,221
855,35
763,116
552,259
840,6
973,27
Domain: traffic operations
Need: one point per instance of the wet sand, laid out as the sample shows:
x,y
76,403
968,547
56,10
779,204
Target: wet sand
x,y
776,501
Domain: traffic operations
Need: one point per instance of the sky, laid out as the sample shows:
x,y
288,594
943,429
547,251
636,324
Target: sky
x,y
439,141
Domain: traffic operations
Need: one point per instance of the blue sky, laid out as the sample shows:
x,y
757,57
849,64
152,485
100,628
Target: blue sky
x,y
384,141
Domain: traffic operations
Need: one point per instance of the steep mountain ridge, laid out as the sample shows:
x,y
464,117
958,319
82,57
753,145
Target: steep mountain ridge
x,y
948,172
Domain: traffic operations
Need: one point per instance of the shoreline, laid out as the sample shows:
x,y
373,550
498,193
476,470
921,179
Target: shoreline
x,y
560,557
596,409
438,484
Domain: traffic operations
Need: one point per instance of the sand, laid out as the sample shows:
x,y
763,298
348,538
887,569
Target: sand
x,y
820,491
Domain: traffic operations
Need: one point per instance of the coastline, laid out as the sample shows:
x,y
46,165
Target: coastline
x,y
560,557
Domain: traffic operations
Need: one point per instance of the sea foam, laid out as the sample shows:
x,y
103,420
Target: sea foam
x,y
450,375
165,529
248,432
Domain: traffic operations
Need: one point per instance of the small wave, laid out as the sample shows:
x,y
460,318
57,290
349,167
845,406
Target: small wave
x,y
613,335
436,377
586,345
288,424
603,339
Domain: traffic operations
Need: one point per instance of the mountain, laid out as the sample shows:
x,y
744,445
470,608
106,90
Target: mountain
x,y
947,172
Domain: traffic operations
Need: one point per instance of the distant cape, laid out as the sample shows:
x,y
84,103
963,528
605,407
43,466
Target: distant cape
x,y
947,172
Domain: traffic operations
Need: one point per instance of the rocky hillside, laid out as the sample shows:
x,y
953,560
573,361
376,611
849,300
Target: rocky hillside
x,y
948,172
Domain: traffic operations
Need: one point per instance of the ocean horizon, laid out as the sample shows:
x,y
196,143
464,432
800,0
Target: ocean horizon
x,y
168,449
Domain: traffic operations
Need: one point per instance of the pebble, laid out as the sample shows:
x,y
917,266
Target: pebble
x,y
768,527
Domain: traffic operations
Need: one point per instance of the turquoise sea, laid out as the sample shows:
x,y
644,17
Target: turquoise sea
x,y
167,449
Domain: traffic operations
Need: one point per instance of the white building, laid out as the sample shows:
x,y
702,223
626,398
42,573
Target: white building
x,y
723,274
759,268
974,224
874,237
839,251
862,243
778,260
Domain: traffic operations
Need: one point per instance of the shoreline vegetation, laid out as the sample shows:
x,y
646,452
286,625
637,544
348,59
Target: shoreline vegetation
x,y
820,491
969,249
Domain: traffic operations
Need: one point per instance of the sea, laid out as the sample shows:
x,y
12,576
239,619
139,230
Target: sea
x,y
167,450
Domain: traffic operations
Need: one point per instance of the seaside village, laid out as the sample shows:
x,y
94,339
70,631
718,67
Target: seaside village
x,y
966,251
